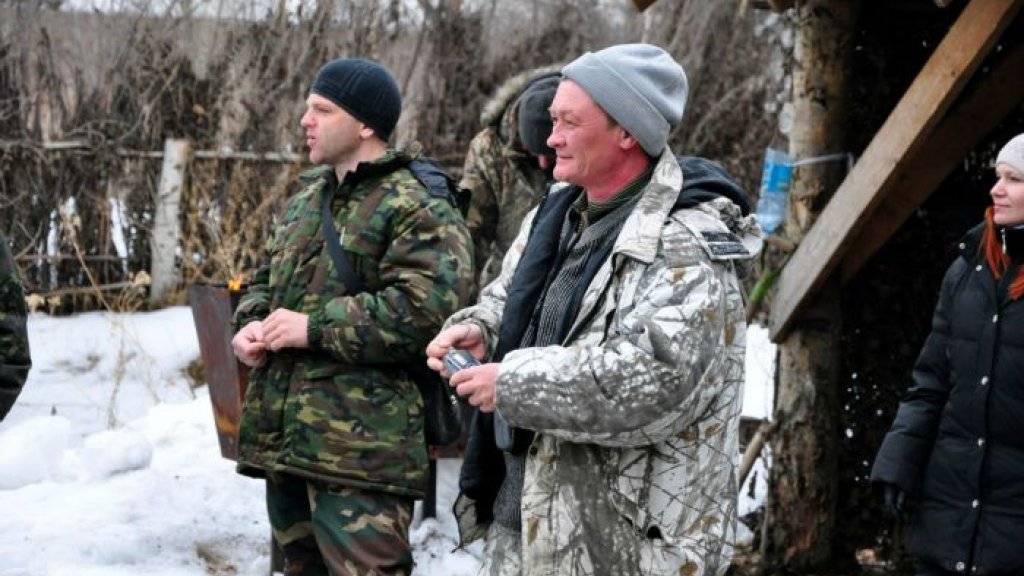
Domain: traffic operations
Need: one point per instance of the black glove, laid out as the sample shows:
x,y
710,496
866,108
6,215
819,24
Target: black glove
x,y
895,500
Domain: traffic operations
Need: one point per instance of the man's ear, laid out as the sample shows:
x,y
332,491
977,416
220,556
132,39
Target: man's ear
x,y
365,132
627,141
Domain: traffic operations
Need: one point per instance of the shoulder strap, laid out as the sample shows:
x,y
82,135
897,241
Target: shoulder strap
x,y
443,421
341,262
429,173
439,183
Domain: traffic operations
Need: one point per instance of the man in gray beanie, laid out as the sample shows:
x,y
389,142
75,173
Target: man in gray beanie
x,y
640,86
612,345
363,264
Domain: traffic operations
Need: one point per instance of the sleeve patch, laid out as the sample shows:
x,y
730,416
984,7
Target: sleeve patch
x,y
723,245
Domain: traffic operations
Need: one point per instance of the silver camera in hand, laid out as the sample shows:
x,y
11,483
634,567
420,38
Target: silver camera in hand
x,y
506,437
456,360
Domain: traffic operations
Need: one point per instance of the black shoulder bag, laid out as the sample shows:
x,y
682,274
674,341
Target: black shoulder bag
x,y
441,410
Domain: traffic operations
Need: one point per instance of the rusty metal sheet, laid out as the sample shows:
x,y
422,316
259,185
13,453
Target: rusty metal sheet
x,y
211,312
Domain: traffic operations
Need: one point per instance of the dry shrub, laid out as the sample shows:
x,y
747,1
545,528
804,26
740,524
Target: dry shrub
x,y
231,208
120,83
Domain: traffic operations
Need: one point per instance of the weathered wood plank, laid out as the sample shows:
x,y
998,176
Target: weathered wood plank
x,y
959,132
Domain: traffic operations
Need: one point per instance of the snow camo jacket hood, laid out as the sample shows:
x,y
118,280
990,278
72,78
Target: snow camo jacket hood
x,y
344,409
14,352
633,467
505,181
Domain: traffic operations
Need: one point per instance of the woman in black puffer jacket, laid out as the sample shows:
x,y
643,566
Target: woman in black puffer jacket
x,y
955,452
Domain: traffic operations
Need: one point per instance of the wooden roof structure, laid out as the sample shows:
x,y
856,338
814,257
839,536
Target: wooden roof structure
x,y
919,144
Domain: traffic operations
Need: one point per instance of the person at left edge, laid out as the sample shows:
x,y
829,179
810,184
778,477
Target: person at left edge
x,y
331,419
14,352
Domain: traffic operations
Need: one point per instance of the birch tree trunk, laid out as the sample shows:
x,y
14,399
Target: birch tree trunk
x,y
164,241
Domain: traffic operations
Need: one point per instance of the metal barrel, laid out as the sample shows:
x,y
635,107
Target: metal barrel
x,y
212,309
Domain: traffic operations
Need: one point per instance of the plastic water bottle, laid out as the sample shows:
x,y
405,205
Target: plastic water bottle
x,y
771,206
771,210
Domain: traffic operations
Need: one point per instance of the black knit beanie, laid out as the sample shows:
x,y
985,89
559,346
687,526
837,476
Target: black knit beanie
x,y
365,89
534,117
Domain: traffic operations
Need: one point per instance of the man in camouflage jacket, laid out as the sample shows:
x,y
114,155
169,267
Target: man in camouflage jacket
x,y
331,418
14,353
615,336
506,175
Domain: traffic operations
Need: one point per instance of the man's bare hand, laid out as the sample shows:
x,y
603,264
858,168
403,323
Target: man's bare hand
x,y
249,346
477,385
466,337
286,329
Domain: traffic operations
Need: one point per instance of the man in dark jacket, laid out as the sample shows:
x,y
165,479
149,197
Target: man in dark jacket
x,y
331,417
14,353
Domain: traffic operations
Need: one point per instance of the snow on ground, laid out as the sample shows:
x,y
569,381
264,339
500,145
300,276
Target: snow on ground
x,y
109,462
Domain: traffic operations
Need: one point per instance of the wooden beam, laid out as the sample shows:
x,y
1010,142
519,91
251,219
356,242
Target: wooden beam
x,y
223,154
76,290
900,137
994,96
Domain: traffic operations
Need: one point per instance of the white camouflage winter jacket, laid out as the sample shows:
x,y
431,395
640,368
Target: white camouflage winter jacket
x,y
633,467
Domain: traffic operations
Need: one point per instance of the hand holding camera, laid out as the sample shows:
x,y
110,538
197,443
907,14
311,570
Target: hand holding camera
x,y
456,360
506,437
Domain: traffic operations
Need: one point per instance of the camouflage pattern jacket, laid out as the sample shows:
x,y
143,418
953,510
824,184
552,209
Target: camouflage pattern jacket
x,y
344,410
504,180
633,466
14,353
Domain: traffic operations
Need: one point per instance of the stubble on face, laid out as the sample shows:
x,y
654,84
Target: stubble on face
x,y
582,136
332,134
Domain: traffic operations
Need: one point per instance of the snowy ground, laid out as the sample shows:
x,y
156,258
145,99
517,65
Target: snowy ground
x,y
109,463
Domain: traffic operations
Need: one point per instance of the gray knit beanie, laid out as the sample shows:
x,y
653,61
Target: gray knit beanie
x,y
1013,153
639,85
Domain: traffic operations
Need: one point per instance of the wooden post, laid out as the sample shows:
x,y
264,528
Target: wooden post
x,y
164,239
802,491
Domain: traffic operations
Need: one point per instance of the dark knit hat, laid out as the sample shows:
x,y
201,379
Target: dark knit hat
x,y
534,117
365,89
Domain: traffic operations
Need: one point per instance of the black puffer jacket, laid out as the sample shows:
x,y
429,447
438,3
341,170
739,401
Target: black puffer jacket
x,y
957,444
